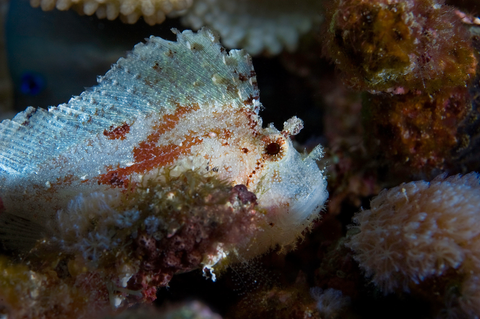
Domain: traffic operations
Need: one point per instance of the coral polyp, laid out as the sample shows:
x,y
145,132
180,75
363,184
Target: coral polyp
x,y
423,237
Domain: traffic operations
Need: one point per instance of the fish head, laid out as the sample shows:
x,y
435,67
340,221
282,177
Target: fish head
x,y
290,186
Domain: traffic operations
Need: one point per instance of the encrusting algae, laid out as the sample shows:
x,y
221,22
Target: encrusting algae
x,y
162,168
398,46
417,63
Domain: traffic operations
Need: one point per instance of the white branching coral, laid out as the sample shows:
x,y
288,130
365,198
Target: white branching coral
x,y
255,25
423,232
153,11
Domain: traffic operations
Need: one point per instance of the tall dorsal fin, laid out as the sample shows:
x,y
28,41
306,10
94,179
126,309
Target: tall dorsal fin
x,y
157,76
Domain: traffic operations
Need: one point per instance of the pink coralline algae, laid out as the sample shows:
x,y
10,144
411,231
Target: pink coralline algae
x,y
424,237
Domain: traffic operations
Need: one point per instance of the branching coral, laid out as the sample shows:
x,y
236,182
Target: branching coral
x,y
255,25
153,11
398,46
424,237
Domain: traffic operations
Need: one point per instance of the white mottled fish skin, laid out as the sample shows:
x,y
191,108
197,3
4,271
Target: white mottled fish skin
x,y
187,104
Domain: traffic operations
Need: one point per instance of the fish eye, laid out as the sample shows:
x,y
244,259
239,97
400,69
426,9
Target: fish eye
x,y
273,148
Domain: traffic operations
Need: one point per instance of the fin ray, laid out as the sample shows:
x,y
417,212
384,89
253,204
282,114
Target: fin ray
x,y
155,77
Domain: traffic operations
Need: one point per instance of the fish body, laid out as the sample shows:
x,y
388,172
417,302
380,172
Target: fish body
x,y
184,105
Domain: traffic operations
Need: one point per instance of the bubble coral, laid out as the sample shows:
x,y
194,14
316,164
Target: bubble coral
x,y
153,11
424,237
397,46
255,25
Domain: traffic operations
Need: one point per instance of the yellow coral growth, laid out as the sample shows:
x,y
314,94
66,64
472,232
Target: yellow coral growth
x,y
153,11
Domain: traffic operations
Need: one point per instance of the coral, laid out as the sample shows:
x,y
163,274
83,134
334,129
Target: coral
x,y
258,26
398,46
152,11
351,171
424,237
471,6
420,131
465,156
417,61
351,174
113,256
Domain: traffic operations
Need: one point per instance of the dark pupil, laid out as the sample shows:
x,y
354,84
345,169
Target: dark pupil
x,y
273,148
